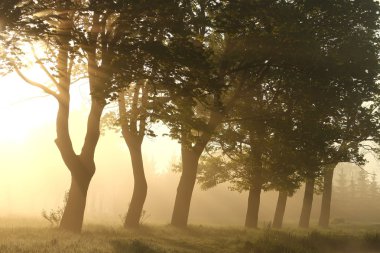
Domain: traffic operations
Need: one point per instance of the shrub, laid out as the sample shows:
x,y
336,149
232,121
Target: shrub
x,y
55,216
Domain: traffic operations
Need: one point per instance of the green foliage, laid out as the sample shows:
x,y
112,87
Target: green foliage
x,y
214,170
315,103
283,89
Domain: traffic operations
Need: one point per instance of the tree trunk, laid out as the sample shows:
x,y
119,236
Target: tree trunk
x,y
307,204
140,185
72,218
185,187
82,167
280,209
324,218
252,216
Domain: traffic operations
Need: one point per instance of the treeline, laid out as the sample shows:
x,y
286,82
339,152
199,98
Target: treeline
x,y
261,94
353,189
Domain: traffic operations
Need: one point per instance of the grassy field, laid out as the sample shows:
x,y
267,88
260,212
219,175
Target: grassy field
x,y
160,239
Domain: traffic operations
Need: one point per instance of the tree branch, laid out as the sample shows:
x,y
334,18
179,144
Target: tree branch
x,y
39,61
36,84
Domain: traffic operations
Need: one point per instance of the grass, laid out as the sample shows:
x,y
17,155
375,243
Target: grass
x,y
195,239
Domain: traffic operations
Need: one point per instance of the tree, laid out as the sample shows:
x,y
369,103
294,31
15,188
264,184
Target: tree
x,y
234,54
280,209
358,71
11,13
133,106
71,32
315,86
166,54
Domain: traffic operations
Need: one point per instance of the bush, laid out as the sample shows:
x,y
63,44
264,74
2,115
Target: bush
x,y
55,216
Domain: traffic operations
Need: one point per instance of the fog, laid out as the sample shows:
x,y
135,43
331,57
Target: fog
x,y
33,177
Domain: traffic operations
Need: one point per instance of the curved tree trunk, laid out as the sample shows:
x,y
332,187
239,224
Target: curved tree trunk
x,y
190,159
280,209
140,185
72,218
252,216
324,218
133,125
307,204
185,187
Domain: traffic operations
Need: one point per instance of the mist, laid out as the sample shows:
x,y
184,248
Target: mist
x,y
34,178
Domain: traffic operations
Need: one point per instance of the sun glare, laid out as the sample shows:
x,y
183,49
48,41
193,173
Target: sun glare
x,y
24,107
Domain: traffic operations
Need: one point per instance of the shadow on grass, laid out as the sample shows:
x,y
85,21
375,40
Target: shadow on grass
x,y
135,246
209,240
272,241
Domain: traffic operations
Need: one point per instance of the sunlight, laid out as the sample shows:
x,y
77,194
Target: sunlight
x,y
235,119
23,108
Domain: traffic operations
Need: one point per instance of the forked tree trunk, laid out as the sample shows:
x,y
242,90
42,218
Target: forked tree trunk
x,y
252,216
324,218
140,185
82,167
133,127
185,187
280,209
307,204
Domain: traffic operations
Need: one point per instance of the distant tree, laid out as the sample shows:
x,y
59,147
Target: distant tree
x,y
362,185
341,186
322,98
373,188
340,196
353,75
352,188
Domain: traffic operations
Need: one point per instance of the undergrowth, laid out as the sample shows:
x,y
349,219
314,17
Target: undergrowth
x,y
195,239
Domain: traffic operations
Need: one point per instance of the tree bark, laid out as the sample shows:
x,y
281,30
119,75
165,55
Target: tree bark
x,y
72,218
324,218
190,158
307,204
252,216
133,127
280,209
140,185
185,187
82,167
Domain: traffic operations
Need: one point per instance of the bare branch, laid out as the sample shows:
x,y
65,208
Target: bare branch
x,y
36,84
43,67
71,65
